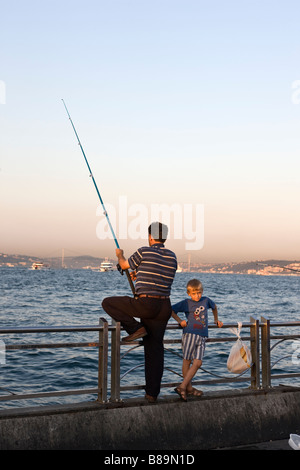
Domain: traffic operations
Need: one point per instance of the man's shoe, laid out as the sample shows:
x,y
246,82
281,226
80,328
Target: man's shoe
x,y
140,333
150,399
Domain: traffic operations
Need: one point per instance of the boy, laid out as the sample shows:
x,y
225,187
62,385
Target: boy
x,y
195,333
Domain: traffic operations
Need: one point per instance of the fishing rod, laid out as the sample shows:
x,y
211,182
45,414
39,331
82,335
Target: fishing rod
x,y
102,203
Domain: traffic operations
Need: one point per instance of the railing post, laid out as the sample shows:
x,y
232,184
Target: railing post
x,y
265,353
115,361
254,342
102,360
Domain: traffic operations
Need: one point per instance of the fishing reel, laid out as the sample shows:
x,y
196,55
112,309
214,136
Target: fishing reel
x,y
121,271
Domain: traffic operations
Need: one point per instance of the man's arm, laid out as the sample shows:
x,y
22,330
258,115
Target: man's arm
x,y
121,259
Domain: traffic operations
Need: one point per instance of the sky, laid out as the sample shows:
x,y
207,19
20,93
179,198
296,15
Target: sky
x,y
193,106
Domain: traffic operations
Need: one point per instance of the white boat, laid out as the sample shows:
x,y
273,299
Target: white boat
x,y
106,266
36,266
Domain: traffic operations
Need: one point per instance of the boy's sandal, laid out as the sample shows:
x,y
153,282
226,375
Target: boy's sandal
x,y
181,393
195,393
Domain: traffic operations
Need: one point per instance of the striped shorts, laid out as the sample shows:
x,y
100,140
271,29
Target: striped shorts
x,y
193,346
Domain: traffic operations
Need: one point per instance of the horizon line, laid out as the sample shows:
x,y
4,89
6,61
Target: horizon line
x,y
203,263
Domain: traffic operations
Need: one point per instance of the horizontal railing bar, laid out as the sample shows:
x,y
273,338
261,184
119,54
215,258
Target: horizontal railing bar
x,y
82,328
209,340
77,328
285,376
50,329
195,382
210,382
224,339
178,341
25,396
91,344
278,324
212,326
50,345
168,341
230,325
284,336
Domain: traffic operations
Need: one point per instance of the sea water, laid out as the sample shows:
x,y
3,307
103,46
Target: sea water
x,y
73,297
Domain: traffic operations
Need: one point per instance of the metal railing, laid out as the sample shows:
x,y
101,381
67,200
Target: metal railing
x,y
254,379
266,349
260,345
102,346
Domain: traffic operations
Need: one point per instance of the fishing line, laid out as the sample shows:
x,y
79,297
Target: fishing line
x,y
102,203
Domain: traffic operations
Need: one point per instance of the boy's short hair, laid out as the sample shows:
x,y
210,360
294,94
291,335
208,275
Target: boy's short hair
x,y
158,231
194,284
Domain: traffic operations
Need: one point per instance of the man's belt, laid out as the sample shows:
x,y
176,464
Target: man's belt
x,y
154,296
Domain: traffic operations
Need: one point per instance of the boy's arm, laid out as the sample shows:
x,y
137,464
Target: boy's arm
x,y
217,322
178,319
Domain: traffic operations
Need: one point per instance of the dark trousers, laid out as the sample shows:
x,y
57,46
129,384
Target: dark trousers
x,y
154,315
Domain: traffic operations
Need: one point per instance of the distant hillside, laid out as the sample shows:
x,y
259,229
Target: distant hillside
x,y
266,267
73,262
245,266
17,260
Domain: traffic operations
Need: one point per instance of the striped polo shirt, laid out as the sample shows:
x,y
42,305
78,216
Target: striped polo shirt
x,y
155,269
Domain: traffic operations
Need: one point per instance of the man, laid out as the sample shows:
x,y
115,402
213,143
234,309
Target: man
x,y
154,268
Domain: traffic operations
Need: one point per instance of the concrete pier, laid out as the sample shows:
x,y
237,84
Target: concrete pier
x,y
216,420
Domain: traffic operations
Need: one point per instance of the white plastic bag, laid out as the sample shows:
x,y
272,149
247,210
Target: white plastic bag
x,y
240,358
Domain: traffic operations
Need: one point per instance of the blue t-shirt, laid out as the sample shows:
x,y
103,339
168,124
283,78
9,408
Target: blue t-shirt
x,y
196,314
